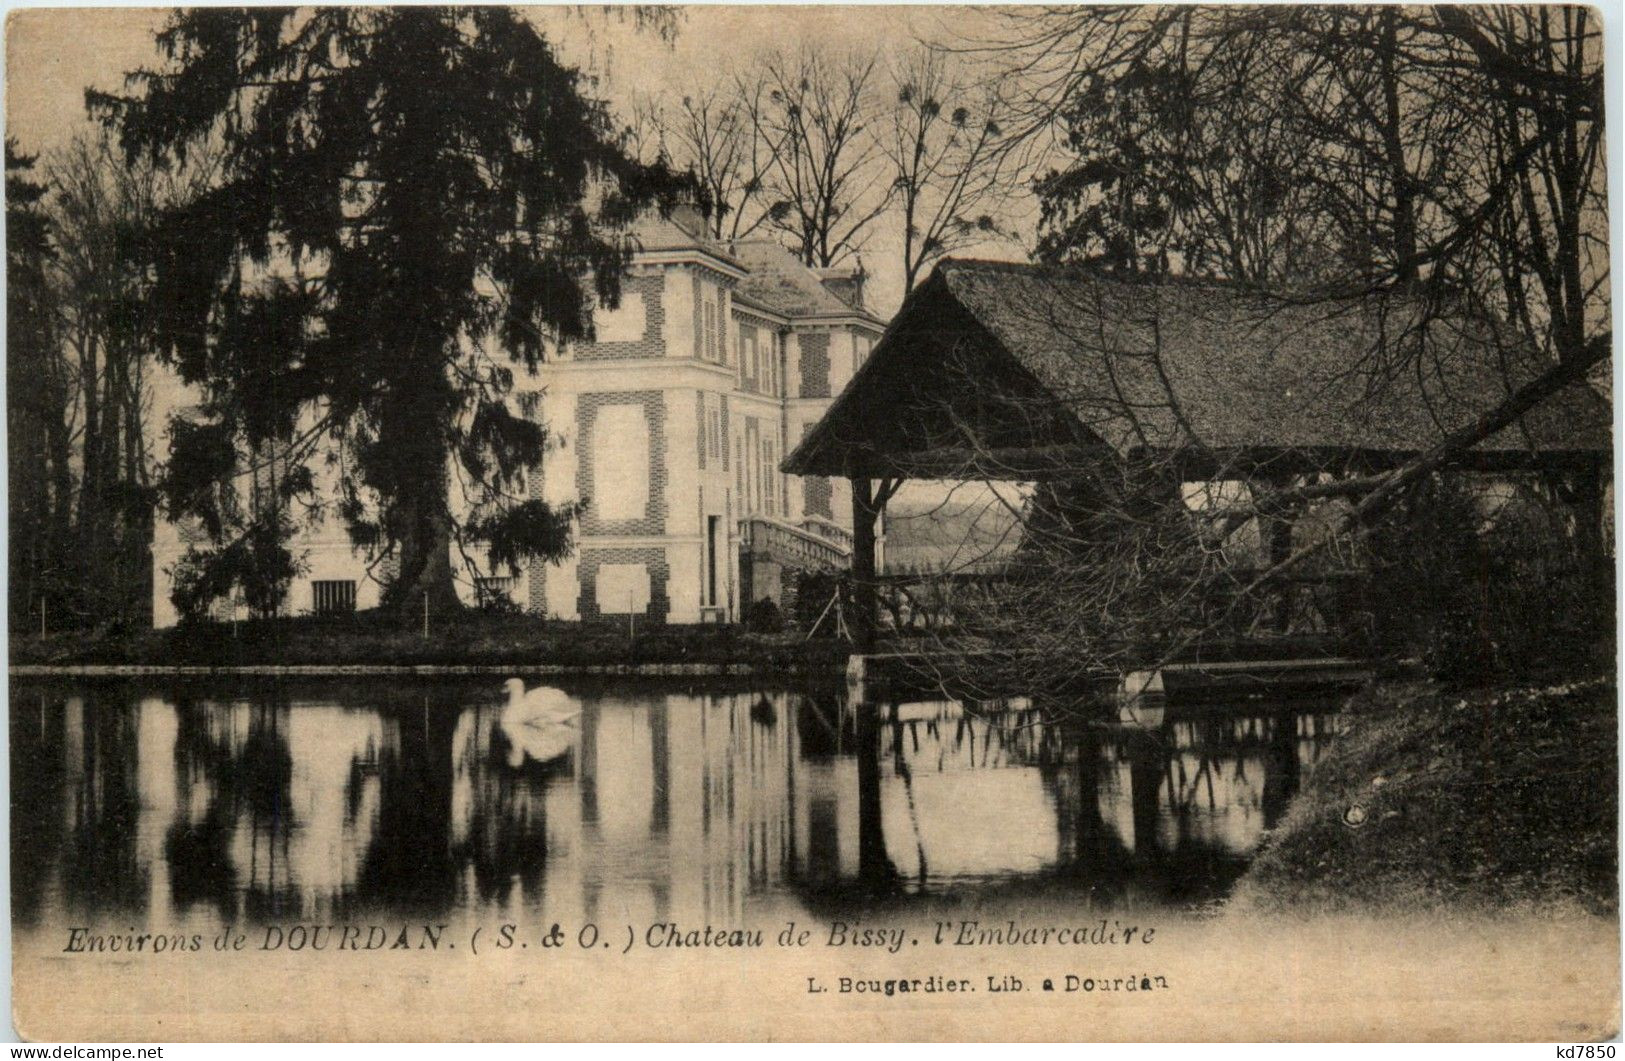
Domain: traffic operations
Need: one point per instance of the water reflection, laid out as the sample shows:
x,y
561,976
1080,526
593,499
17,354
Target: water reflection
x,y
317,801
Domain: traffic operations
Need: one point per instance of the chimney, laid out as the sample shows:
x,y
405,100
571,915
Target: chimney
x,y
845,283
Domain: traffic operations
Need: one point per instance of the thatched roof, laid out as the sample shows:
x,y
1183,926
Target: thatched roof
x,y
1183,366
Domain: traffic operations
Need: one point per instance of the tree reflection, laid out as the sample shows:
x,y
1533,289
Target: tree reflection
x,y
408,866
329,800
100,870
499,809
38,779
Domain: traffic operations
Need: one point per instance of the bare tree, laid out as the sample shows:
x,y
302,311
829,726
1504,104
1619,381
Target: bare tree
x,y
99,203
947,156
825,185
1334,148
39,406
713,134
1447,160
645,134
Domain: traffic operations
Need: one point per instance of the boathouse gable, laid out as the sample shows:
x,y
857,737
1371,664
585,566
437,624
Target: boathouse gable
x,y
998,371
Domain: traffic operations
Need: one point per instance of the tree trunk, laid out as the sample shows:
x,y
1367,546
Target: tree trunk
x,y
30,508
864,591
56,552
1399,174
425,571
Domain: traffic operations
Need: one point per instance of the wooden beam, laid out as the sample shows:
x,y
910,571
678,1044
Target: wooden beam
x,y
865,596
1059,461
1006,463
1276,531
1588,516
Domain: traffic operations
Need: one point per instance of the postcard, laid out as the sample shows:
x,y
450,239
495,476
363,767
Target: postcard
x,y
811,523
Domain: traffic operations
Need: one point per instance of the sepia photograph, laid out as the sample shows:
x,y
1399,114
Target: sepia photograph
x,y
811,523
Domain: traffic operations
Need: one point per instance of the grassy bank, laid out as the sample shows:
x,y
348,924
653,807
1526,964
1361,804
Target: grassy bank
x,y
472,639
1495,799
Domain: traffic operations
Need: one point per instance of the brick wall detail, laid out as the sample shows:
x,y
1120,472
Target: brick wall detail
x,y
535,480
651,287
699,319
814,364
652,557
702,436
817,497
654,410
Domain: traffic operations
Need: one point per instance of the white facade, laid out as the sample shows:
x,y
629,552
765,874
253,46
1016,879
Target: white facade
x,y
671,425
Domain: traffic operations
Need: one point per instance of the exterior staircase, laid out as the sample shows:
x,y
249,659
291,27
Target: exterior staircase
x,y
770,549
814,544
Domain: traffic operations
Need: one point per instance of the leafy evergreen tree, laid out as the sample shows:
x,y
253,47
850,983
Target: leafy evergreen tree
x,y
412,203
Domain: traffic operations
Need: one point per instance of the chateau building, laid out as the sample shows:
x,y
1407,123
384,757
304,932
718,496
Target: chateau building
x,y
671,425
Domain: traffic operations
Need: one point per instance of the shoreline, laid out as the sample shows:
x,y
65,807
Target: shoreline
x,y
1503,798
317,670
374,644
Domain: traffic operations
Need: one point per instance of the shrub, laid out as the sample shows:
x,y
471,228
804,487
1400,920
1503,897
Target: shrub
x,y
764,617
1480,590
814,591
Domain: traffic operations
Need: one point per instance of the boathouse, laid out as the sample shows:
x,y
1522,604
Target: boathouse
x,y
1014,372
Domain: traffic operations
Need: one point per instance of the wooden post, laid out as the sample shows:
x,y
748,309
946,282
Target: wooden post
x,y
1588,499
1147,758
873,863
1278,542
1280,767
875,868
866,613
1277,535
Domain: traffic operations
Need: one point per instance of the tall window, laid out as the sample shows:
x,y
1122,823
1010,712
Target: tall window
x,y
768,471
749,500
708,342
750,362
713,552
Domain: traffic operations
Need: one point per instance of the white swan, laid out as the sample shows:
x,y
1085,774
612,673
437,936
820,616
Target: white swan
x,y
540,724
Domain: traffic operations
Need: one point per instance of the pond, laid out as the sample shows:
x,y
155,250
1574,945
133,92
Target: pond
x,y
198,803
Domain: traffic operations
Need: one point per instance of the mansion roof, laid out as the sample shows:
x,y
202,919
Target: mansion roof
x,y
684,229
781,282
773,279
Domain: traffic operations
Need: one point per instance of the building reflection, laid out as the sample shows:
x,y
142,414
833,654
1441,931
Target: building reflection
x,y
665,805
